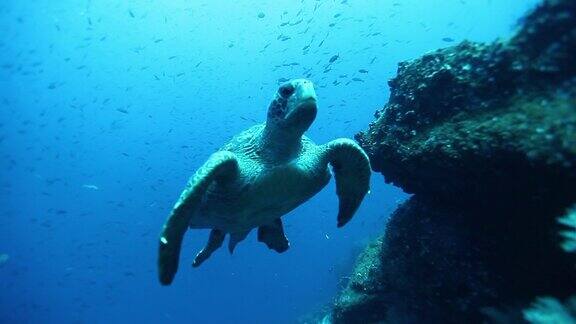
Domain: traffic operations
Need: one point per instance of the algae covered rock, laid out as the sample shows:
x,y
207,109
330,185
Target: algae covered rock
x,y
485,119
362,297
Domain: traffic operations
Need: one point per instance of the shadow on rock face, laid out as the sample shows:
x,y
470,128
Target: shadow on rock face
x,y
440,264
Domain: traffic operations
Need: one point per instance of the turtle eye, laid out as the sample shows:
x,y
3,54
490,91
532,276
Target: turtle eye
x,y
286,90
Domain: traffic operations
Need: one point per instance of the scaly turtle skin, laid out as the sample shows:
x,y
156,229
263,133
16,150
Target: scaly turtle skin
x,y
262,174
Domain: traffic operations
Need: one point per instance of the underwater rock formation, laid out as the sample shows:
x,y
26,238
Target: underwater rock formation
x,y
484,135
485,119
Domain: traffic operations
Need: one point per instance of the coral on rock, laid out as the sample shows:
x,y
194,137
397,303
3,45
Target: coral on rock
x,y
569,234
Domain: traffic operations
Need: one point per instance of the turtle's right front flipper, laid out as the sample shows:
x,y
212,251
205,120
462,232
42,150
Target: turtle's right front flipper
x,y
221,166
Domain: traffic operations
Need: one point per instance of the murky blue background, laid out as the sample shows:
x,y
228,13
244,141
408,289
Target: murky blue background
x,y
107,107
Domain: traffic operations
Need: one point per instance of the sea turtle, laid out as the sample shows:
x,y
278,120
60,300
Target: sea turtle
x,y
259,176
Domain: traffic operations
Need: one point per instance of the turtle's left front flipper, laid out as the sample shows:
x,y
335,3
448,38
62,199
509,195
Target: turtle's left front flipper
x,y
222,166
273,236
351,168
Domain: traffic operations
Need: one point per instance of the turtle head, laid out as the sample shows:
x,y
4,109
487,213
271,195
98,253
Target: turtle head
x,y
293,107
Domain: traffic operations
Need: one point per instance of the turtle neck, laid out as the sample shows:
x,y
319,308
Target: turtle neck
x,y
279,144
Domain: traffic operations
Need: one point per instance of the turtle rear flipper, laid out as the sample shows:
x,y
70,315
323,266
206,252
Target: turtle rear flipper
x,y
214,243
236,238
222,166
273,236
351,168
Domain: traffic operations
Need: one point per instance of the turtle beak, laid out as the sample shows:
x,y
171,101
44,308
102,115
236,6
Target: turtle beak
x,y
304,114
304,104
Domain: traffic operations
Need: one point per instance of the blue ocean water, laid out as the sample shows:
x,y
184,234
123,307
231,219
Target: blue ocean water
x,y
107,107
